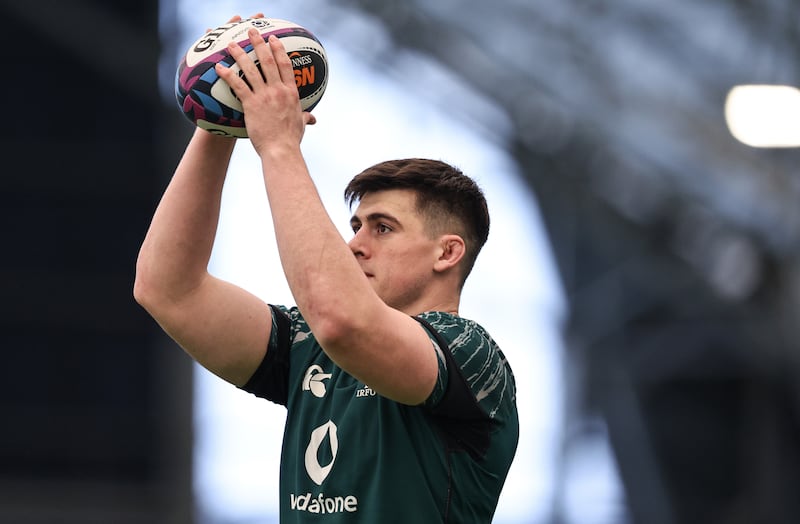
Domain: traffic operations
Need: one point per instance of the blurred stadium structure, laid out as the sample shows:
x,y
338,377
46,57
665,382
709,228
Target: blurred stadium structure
x,y
677,245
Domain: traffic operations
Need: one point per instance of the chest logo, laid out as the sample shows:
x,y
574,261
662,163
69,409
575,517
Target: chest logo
x,y
321,435
314,381
366,391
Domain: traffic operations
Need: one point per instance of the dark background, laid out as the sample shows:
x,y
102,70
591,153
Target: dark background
x,y
677,246
96,413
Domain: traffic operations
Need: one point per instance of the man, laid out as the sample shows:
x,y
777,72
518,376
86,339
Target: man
x,y
399,410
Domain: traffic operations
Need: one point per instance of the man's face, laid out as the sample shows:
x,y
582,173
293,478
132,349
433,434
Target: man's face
x,y
392,247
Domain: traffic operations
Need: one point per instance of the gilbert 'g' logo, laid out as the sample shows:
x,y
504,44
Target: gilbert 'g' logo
x,y
313,381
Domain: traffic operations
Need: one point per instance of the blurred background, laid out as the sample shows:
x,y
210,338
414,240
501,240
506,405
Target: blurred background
x,y
642,274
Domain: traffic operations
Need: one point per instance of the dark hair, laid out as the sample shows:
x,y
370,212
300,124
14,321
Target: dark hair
x,y
448,200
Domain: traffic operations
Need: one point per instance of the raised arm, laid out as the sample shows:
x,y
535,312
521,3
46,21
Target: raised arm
x,y
379,345
220,325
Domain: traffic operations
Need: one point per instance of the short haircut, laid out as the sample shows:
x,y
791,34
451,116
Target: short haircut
x,y
449,201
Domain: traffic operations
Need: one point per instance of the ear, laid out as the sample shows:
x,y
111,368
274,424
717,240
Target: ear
x,y
452,251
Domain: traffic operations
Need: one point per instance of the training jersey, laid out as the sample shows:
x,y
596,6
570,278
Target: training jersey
x,y
350,455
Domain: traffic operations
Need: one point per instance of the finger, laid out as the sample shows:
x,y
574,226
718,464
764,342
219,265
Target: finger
x,y
282,60
240,87
266,57
252,75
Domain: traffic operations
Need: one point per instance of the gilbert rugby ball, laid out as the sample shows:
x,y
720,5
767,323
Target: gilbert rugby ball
x,y
209,102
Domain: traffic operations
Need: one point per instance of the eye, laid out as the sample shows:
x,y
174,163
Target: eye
x,y
355,227
382,229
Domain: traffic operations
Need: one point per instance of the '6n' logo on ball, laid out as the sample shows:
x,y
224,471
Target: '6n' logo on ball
x,y
304,69
309,71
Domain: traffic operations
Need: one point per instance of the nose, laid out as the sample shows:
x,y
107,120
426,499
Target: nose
x,y
358,244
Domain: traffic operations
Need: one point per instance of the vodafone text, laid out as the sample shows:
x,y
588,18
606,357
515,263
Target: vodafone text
x,y
321,504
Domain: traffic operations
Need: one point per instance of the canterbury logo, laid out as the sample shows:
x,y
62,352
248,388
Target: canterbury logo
x,y
313,381
317,471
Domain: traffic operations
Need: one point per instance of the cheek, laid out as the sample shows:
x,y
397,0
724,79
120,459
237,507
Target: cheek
x,y
405,262
408,269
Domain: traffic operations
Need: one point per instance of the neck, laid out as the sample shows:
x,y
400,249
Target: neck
x,y
450,307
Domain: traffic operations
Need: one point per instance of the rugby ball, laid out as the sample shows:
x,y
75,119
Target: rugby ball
x,y
209,102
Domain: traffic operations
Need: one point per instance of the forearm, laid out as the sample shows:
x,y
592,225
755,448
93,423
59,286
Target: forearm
x,y
372,342
175,253
322,272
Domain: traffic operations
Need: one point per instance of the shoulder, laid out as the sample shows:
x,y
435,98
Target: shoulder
x,y
480,360
462,335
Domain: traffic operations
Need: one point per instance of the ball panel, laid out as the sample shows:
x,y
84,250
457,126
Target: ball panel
x,y
222,129
216,40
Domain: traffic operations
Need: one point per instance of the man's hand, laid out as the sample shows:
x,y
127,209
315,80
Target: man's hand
x,y
269,96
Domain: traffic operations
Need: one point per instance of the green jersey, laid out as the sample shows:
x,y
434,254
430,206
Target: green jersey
x,y
351,455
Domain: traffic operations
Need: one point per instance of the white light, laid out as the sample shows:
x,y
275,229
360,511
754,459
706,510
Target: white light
x,y
764,115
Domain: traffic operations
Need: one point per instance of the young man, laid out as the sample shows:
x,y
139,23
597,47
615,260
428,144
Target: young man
x,y
399,410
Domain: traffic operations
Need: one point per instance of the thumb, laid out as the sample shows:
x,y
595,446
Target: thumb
x,y
309,119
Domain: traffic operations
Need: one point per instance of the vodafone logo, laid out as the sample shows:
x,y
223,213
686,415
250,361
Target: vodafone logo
x,y
314,381
326,432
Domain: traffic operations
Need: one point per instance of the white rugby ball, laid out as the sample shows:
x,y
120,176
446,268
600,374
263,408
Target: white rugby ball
x,y
209,102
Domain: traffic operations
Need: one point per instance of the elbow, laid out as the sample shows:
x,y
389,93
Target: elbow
x,y
143,291
163,289
339,319
140,292
335,326
148,291
330,329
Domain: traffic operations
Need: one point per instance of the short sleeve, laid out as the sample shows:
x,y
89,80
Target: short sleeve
x,y
478,358
271,378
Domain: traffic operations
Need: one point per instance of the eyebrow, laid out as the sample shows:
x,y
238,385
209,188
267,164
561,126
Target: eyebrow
x,y
374,217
